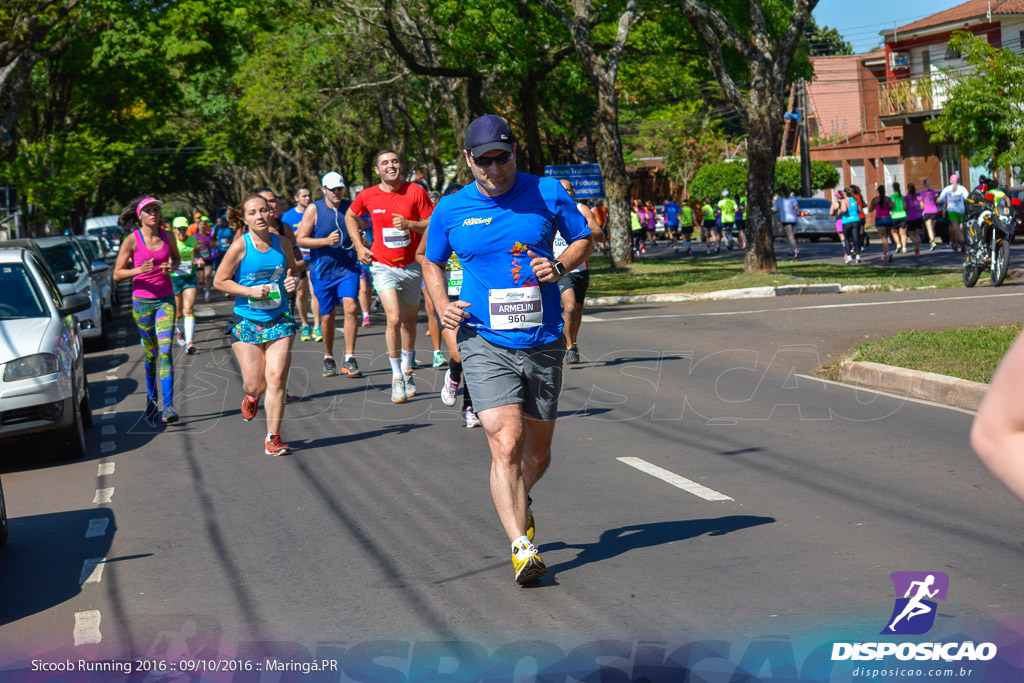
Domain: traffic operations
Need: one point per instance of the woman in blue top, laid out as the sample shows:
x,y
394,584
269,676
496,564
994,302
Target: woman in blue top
x,y
852,224
257,270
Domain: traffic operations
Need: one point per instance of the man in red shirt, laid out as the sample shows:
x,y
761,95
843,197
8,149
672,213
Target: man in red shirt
x,y
399,213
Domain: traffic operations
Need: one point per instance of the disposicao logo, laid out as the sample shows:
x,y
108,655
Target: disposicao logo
x,y
913,614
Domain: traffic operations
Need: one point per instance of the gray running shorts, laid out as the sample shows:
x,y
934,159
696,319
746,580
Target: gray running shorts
x,y
499,376
408,281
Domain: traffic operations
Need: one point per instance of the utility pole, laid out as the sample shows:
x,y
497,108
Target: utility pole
x,y
805,145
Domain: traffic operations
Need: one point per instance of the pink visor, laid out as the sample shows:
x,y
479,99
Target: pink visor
x,y
146,202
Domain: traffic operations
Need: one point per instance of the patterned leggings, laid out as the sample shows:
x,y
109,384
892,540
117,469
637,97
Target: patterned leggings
x,y
155,319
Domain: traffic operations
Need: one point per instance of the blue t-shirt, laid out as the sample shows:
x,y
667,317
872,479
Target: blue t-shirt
x,y
672,211
491,235
292,217
339,261
223,235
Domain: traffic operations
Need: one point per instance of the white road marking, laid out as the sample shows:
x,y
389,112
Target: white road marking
x,y
109,430
112,389
105,468
87,628
111,378
92,570
886,393
109,415
110,400
108,446
97,527
674,479
595,319
103,496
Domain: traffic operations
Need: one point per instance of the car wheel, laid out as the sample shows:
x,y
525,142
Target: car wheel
x,y
3,517
86,404
69,443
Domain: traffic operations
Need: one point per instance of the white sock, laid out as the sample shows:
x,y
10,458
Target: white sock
x,y
177,328
349,356
190,328
406,361
269,435
522,540
326,357
396,367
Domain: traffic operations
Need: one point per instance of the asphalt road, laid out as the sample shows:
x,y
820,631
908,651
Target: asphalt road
x,y
377,538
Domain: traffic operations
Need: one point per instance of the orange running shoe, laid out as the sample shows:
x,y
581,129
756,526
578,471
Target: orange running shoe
x,y
250,407
273,446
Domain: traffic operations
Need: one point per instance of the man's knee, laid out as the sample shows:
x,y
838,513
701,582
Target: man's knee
x,y
351,307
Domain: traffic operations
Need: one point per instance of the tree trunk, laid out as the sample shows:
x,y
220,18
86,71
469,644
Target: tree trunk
x,y
761,159
531,128
613,169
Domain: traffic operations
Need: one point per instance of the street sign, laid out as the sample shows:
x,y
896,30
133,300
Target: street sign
x,y
586,178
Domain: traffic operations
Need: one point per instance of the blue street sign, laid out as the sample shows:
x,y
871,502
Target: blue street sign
x,y
586,178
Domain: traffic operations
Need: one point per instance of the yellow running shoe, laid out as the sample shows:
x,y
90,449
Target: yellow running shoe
x,y
527,563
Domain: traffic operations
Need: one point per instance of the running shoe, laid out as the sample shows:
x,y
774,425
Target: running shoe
x,y
351,368
531,523
206,296
375,306
330,367
250,407
366,320
857,258
528,565
932,246
917,250
179,337
317,334
689,253
410,385
169,416
796,254
888,257
439,359
398,390
469,418
190,349
449,390
846,258
288,398
572,355
306,333
273,446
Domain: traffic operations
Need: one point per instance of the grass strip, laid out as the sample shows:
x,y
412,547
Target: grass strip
x,y
972,354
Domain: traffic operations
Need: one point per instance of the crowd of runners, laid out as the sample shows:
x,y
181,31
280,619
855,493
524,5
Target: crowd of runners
x,y
502,261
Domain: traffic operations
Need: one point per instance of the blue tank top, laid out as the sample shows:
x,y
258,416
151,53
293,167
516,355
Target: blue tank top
x,y
339,261
852,214
262,268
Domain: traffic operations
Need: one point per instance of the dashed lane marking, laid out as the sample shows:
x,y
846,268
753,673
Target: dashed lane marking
x,y
110,415
112,389
87,628
108,446
105,468
110,400
103,496
109,430
97,527
674,479
92,570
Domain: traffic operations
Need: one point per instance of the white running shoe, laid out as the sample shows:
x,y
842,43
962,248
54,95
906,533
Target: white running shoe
x,y
449,390
410,385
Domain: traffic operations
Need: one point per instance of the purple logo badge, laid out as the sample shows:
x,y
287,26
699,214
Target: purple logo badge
x,y
914,611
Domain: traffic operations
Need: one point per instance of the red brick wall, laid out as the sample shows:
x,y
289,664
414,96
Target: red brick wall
x,y
920,157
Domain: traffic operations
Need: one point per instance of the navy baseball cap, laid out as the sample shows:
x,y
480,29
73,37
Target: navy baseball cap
x,y
488,133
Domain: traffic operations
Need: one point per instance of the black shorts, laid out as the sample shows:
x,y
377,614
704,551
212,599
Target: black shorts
x,y
686,229
899,223
915,223
709,224
578,282
930,216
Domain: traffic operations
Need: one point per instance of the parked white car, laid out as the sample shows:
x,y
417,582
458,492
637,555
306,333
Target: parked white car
x,y
43,385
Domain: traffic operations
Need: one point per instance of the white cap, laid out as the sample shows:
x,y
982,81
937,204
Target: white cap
x,y
725,193
332,180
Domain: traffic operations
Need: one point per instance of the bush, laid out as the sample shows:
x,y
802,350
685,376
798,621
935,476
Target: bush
x,y
711,179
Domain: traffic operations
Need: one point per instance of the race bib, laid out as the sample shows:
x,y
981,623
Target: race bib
x,y
184,269
515,309
395,238
454,282
224,244
204,254
272,301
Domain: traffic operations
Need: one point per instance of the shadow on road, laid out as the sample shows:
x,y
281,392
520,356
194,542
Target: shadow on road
x,y
615,542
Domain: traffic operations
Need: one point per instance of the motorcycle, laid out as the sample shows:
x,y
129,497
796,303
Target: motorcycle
x,y
988,228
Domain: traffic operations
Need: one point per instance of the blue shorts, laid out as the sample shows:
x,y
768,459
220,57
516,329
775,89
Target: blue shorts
x,y
330,292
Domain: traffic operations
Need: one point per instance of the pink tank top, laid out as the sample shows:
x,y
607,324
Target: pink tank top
x,y
928,197
154,284
883,209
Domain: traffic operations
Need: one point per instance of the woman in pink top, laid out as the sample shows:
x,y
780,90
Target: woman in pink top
x,y
154,256
913,205
930,211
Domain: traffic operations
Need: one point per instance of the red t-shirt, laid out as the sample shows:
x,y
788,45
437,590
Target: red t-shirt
x,y
394,247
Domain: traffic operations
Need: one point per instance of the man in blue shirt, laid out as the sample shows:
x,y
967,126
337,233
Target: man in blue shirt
x,y
304,300
502,228
672,211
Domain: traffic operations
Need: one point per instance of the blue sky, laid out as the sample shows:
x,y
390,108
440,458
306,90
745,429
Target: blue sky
x,y
860,22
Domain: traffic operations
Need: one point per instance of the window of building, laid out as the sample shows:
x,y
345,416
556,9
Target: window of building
x,y
949,161
952,54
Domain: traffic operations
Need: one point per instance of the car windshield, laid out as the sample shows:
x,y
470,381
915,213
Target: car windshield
x,y
22,298
814,203
62,257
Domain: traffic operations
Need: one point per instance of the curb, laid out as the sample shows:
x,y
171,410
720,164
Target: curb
x,y
927,386
745,293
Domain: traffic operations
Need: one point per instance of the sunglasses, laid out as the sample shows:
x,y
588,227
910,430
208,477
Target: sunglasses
x,y
501,160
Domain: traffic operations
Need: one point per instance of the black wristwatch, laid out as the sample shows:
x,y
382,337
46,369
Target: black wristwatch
x,y
559,268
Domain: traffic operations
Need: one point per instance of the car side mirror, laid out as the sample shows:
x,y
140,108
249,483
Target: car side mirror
x,y
99,267
75,303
